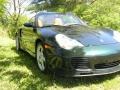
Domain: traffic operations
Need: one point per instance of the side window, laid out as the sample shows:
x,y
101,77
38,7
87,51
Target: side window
x,y
40,21
46,20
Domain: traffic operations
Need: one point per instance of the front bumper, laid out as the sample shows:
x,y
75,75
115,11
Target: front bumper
x,y
89,72
105,61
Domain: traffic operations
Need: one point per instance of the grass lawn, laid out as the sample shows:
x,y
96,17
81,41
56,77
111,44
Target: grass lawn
x,y
18,71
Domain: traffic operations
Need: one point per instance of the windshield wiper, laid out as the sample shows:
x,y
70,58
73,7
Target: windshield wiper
x,y
72,24
61,25
51,25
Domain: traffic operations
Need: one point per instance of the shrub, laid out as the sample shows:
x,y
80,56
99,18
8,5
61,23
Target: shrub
x,y
14,25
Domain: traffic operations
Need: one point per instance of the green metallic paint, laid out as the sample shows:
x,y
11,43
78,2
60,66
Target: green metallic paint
x,y
54,60
60,59
104,56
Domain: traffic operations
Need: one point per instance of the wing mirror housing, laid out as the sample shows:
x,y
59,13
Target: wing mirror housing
x,y
28,24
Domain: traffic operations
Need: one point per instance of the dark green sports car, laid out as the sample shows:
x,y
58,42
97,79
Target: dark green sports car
x,y
64,44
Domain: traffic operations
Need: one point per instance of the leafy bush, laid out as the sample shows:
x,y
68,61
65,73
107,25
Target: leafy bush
x,y
105,13
2,11
2,2
14,25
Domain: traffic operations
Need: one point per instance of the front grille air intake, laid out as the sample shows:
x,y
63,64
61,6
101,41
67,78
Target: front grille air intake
x,y
79,63
107,65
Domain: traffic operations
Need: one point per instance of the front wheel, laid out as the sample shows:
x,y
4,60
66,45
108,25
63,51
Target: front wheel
x,y
41,61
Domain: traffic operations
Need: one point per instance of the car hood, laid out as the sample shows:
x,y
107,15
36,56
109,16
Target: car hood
x,y
90,36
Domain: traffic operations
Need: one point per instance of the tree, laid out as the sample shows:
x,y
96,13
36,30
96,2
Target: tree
x,y
101,14
68,5
16,8
2,2
15,11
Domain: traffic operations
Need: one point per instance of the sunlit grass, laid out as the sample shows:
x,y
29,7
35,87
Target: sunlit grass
x,y
19,71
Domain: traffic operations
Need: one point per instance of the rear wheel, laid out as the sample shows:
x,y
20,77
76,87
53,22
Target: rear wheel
x,y
17,43
41,61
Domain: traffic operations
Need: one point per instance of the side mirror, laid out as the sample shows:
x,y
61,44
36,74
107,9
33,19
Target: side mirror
x,y
28,24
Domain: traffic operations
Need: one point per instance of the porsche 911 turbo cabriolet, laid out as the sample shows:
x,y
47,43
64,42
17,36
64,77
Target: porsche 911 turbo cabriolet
x,y
63,43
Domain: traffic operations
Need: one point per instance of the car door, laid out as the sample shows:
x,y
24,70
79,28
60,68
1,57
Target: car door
x,y
29,37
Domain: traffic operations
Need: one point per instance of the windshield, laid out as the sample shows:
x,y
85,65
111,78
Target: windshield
x,y
58,19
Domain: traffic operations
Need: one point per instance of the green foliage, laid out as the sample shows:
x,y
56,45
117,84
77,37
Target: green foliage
x,y
14,24
2,10
105,13
2,2
57,4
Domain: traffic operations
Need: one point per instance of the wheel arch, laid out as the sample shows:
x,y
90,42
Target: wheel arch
x,y
36,42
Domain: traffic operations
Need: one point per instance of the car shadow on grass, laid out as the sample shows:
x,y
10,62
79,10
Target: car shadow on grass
x,y
28,76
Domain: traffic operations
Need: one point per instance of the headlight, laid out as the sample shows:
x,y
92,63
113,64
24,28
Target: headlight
x,y
66,42
116,36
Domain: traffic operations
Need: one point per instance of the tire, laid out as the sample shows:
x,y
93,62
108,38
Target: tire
x,y
17,43
40,56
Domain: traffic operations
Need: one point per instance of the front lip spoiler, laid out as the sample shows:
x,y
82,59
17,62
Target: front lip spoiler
x,y
89,72
98,72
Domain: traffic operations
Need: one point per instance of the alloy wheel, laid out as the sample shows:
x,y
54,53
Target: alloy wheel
x,y
40,58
